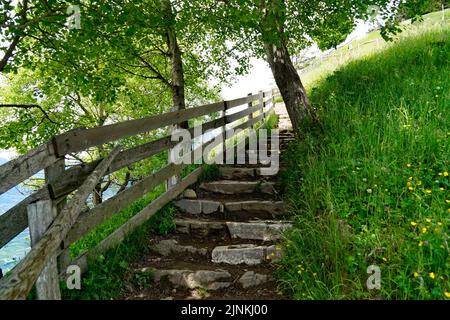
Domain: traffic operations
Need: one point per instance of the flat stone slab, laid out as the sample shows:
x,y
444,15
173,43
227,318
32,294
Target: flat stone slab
x,y
207,279
167,247
237,173
260,230
248,254
273,207
199,228
192,206
252,279
189,194
238,187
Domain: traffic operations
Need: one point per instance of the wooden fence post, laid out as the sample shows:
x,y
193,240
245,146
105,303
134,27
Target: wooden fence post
x,y
224,132
52,174
261,103
40,216
250,105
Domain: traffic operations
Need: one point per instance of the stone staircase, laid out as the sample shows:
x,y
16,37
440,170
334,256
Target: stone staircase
x,y
224,245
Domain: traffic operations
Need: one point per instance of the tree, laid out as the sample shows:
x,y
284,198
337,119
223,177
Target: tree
x,y
275,29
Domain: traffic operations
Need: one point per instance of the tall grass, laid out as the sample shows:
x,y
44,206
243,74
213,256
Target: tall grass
x,y
372,187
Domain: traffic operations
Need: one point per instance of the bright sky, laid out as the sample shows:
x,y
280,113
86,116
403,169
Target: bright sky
x,y
260,77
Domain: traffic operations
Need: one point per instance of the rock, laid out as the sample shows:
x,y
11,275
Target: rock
x,y
252,279
274,208
167,247
189,194
189,206
236,173
200,228
249,254
199,206
207,279
209,207
264,230
238,187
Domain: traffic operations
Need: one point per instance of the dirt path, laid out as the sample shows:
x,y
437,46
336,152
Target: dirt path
x,y
224,244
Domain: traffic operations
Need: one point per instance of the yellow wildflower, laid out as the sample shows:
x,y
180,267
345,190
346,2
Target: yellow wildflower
x,y
413,223
447,294
410,178
424,230
447,201
445,174
384,259
428,220
408,165
420,243
441,189
411,189
439,223
428,191
416,274
432,275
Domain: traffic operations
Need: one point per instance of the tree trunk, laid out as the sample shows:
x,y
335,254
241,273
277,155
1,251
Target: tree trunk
x,y
286,77
290,86
177,76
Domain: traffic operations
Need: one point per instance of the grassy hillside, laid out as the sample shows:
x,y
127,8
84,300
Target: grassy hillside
x,y
373,187
372,43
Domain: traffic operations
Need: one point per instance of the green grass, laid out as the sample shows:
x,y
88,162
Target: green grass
x,y
361,48
372,187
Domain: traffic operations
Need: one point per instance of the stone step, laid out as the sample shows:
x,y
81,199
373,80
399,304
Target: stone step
x,y
198,228
238,187
207,279
275,208
258,230
248,254
253,230
212,280
171,246
199,206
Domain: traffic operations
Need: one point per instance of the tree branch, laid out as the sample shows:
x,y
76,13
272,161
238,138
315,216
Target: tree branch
x,y
30,106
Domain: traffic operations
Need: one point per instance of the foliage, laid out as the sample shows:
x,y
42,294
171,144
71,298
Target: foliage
x,y
111,273
373,187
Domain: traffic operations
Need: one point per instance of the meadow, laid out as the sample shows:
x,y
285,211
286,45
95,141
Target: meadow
x,y
371,185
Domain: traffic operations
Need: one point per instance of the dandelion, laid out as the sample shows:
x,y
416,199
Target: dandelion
x,y
420,243
447,294
408,165
411,189
416,274
445,174
441,189
410,178
447,201
428,191
432,275
413,223
428,220
448,210
439,223
424,230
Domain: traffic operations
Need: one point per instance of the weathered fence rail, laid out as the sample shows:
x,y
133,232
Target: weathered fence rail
x,y
69,221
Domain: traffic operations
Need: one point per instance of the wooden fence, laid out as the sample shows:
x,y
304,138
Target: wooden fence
x,y
56,220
